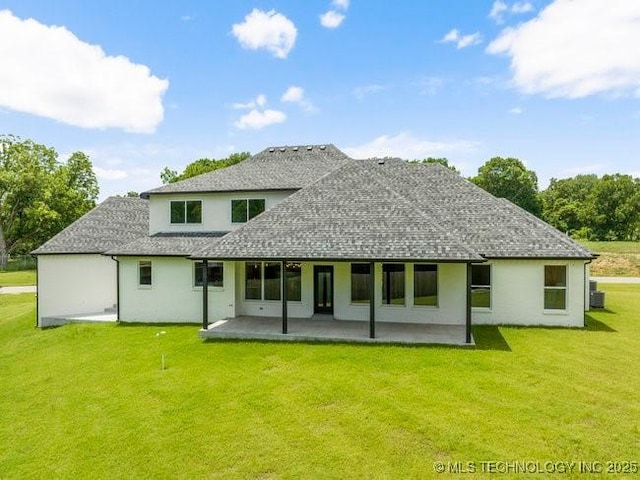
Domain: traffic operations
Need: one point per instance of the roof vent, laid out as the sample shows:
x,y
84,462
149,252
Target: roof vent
x,y
322,147
309,147
381,161
272,150
282,149
295,149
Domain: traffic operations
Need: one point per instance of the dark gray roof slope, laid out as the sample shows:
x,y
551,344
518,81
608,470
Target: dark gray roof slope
x,y
168,244
114,222
349,214
493,227
395,211
275,168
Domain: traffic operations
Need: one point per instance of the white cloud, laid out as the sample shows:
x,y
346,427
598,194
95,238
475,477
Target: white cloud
x,y
296,95
407,146
515,111
109,174
331,19
497,9
430,85
270,30
256,119
186,18
521,7
343,4
259,101
366,90
461,41
575,49
48,71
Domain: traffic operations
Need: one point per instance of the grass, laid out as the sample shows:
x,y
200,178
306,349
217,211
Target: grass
x,y
18,278
617,259
90,401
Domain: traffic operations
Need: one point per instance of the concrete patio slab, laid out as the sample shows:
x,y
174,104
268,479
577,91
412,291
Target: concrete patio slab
x,y
331,330
103,317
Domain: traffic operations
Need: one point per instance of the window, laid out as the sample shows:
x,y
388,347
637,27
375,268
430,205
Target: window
x,y
425,285
253,281
244,210
360,282
294,282
144,273
392,284
481,286
189,211
555,287
272,280
214,274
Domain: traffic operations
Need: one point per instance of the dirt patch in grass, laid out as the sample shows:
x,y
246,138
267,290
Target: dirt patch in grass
x,y
616,265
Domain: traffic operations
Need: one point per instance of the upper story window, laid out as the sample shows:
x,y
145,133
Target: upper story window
x,y
245,209
186,211
481,286
555,287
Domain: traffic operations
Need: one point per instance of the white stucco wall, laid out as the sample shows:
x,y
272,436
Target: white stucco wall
x,y
517,295
216,210
172,297
75,284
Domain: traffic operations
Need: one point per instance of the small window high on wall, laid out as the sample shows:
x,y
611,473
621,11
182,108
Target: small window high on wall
x,y
144,273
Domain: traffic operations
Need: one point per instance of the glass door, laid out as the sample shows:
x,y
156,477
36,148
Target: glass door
x,y
323,289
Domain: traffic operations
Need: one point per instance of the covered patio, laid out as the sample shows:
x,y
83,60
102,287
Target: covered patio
x,y
328,329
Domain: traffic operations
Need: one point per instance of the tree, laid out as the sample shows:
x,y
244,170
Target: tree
x,y
203,165
441,161
565,201
39,196
614,208
509,178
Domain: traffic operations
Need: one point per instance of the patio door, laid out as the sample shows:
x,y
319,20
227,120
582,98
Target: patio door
x,y
323,289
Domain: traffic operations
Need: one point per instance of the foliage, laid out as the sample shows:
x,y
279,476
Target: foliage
x,y
441,161
239,409
39,195
586,206
616,259
203,165
509,178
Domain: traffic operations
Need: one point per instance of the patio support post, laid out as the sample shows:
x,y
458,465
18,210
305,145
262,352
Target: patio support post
x,y
468,320
284,297
372,300
205,294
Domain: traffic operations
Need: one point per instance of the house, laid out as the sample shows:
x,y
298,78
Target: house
x,y
309,233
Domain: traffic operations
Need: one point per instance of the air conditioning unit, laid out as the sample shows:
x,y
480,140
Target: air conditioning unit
x,y
596,299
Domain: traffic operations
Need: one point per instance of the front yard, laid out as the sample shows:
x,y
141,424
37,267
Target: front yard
x,y
91,401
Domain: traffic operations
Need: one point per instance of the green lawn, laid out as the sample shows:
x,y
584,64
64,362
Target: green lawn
x,y
22,277
90,401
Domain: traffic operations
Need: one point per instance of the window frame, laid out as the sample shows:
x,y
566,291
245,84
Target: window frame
x,y
366,301
248,216
386,277
185,212
263,266
479,286
564,288
437,283
210,266
149,265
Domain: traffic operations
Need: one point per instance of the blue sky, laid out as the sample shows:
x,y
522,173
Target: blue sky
x,y
140,85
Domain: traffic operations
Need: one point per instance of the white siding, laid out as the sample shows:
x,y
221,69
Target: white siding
x,y
517,295
172,296
216,210
75,284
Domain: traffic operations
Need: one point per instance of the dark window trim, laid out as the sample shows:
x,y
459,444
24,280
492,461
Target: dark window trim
x,y
210,282
437,270
247,202
185,212
150,267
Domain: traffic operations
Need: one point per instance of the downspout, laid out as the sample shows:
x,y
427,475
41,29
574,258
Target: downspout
x,y
585,294
117,286
37,297
468,310
205,294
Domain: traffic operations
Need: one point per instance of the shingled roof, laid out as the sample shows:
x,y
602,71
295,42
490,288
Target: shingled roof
x,y
275,168
394,211
114,222
167,244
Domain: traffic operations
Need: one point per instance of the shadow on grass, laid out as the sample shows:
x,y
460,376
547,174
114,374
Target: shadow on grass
x,y
593,325
337,342
489,337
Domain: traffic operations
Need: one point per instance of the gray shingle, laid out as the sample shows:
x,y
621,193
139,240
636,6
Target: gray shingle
x,y
395,211
275,168
170,244
114,222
